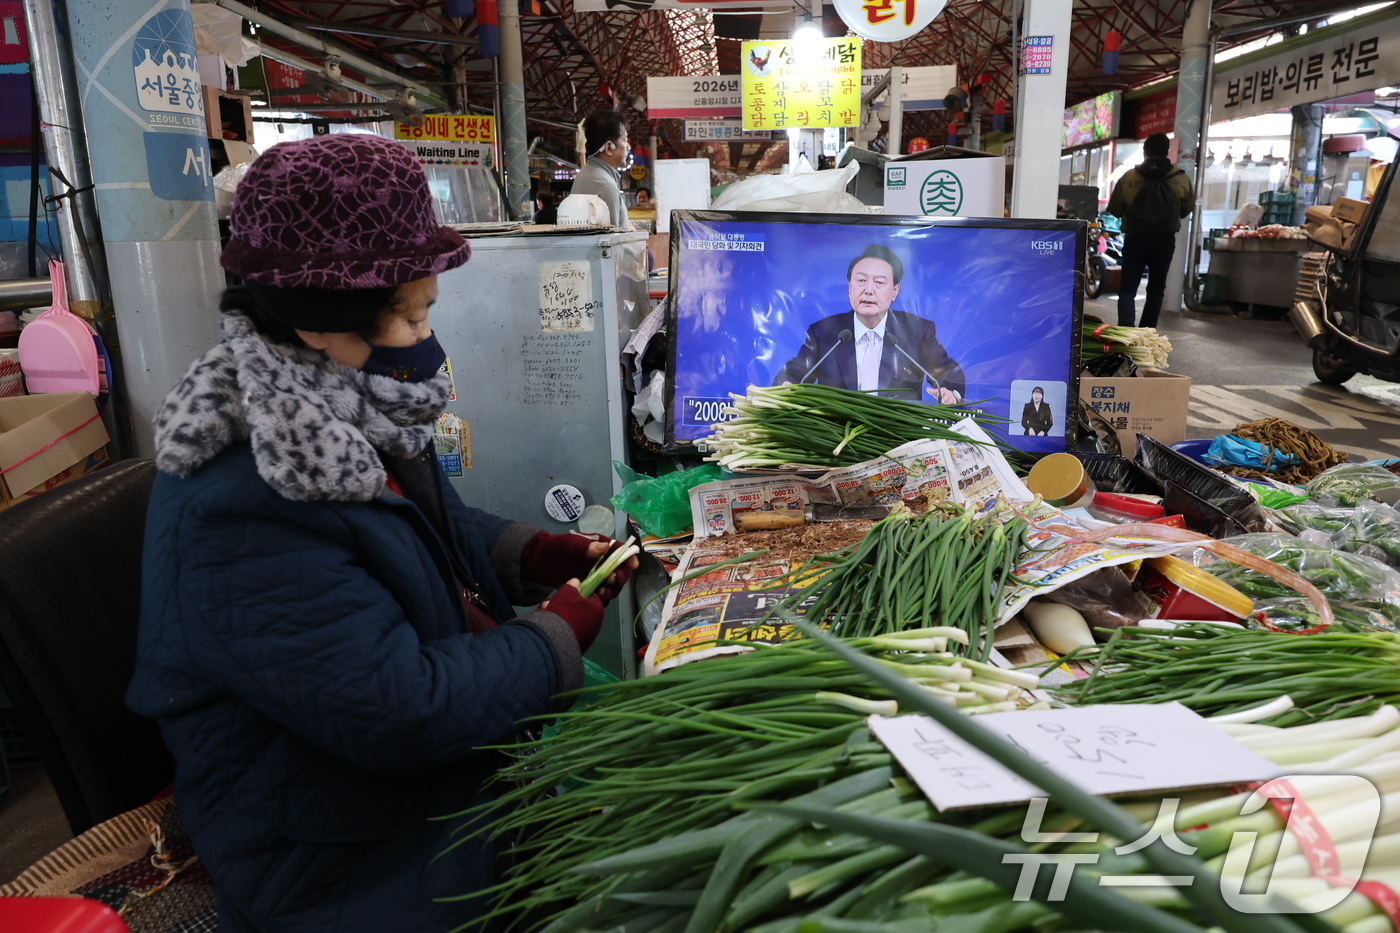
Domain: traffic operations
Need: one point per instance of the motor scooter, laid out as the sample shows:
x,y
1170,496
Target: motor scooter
x,y
1112,239
1347,305
1095,269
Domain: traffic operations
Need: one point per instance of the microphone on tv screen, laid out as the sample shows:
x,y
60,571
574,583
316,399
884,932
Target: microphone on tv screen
x,y
891,342
840,339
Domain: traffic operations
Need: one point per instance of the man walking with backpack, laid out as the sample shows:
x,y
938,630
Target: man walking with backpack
x,y
1152,199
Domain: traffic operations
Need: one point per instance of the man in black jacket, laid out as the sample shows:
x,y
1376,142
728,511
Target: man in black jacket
x,y
873,346
1151,199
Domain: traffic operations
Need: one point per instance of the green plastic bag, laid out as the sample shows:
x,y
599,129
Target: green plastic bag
x,y
1280,498
661,505
594,676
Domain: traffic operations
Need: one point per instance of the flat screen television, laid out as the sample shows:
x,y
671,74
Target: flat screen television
x,y
1093,120
985,311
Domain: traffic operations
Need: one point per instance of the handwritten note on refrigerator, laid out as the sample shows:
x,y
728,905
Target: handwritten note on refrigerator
x,y
566,297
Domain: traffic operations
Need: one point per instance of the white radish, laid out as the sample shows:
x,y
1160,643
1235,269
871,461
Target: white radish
x,y
1058,627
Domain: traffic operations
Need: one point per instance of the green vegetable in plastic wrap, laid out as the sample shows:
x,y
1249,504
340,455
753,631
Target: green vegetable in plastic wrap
x,y
1342,577
1371,528
1294,614
1350,483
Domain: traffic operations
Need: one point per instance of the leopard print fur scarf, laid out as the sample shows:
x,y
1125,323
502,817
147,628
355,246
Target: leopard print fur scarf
x,y
316,426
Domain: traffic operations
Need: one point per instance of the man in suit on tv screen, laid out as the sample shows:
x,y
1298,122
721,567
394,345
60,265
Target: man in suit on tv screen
x,y
873,346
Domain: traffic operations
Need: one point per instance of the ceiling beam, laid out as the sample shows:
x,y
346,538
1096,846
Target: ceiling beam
x,y
425,96
406,35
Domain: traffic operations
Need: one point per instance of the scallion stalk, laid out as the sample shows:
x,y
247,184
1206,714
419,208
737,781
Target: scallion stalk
x,y
606,565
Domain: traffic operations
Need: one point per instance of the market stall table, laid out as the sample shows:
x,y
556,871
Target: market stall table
x,y
1258,270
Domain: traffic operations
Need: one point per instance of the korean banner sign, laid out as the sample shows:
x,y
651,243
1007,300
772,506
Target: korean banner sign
x,y
1360,55
790,85
446,139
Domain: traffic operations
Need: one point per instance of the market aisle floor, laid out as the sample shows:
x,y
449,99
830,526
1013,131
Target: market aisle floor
x,y
31,823
1245,369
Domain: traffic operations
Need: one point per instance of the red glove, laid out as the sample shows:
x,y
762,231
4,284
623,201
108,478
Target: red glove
x,y
583,616
553,559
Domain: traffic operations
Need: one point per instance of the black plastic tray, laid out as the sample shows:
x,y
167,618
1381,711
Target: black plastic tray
x,y
1218,498
1112,473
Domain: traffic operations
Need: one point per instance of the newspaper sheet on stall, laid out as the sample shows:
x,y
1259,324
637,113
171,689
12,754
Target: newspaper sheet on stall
x,y
923,472
733,603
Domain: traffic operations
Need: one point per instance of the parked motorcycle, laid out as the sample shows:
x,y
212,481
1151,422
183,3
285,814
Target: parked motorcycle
x,y
1347,306
1095,269
1112,239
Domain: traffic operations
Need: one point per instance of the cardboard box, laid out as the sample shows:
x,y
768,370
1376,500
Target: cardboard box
x,y
1152,403
228,112
1349,210
47,440
946,187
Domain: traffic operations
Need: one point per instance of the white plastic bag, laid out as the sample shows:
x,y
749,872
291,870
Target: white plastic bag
x,y
649,408
218,31
809,191
225,184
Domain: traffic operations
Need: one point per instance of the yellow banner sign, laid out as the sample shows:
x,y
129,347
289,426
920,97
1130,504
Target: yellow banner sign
x,y
811,83
465,128
466,140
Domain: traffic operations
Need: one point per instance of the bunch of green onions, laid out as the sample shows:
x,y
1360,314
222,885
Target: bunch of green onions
x,y
669,757
1218,670
823,426
717,799
945,566
606,565
1148,349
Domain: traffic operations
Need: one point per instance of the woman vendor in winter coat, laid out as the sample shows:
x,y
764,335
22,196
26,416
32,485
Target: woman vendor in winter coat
x,y
327,638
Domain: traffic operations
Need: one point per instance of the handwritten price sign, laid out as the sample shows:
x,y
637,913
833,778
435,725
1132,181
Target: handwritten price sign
x,y
1103,749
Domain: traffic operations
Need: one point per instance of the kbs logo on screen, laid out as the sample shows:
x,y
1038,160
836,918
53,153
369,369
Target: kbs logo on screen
x,y
1047,247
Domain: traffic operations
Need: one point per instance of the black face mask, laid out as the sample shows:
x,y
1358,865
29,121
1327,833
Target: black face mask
x,y
417,363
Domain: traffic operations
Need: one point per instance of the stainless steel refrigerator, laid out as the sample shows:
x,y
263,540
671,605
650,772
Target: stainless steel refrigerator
x,y
533,327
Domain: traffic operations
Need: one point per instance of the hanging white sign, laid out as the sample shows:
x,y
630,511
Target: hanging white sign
x,y
922,88
888,20
700,96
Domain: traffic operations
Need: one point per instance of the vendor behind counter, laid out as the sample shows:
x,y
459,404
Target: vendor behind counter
x,y
605,142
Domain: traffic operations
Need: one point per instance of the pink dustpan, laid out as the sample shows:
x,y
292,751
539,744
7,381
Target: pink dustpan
x,y
56,350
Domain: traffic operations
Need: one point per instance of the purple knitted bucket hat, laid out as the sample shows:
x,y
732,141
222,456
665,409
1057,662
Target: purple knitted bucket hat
x,y
344,211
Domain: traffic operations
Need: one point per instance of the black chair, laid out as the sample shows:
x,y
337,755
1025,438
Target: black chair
x,y
70,596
